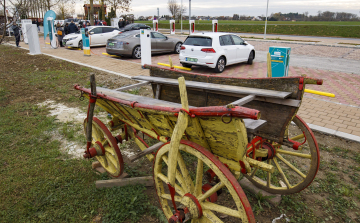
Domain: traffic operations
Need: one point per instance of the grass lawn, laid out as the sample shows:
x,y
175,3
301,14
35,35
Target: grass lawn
x,y
331,29
42,183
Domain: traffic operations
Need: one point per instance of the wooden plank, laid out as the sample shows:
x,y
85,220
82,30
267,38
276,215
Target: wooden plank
x,y
242,101
253,125
95,164
128,87
147,181
146,151
158,89
218,87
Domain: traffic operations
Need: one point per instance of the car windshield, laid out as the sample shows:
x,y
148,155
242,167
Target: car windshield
x,y
198,41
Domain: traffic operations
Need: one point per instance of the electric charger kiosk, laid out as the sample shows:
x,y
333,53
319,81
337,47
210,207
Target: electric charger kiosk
x,y
145,43
33,39
192,26
50,23
85,41
172,27
215,26
24,23
156,25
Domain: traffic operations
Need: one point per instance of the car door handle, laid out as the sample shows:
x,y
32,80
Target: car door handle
x,y
225,49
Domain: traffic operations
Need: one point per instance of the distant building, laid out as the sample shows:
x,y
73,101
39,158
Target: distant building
x,y
97,8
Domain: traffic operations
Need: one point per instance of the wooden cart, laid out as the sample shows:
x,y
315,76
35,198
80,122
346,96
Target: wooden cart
x,y
208,140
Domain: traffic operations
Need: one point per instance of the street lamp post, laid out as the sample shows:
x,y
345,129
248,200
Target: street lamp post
x,y
267,7
189,16
181,11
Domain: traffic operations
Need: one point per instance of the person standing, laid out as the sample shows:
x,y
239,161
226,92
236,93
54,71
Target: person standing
x,y
37,25
60,34
66,29
72,27
16,31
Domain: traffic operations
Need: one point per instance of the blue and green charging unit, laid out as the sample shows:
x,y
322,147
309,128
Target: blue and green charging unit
x,y
280,58
85,41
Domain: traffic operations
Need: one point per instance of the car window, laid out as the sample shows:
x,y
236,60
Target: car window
x,y
198,41
97,30
237,40
225,40
137,36
124,35
107,29
158,35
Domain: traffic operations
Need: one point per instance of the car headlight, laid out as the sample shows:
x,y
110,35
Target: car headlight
x,y
71,38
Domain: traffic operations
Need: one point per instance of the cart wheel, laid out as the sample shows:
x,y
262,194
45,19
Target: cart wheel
x,y
295,169
112,160
201,201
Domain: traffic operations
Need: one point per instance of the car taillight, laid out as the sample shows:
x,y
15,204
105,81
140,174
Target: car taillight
x,y
182,48
120,32
208,50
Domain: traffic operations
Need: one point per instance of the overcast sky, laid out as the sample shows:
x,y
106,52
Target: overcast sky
x,y
242,7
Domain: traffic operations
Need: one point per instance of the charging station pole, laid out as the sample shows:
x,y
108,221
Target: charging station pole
x,y
145,43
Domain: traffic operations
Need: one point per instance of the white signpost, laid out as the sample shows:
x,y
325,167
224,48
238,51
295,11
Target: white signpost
x,y
24,23
172,27
145,43
33,39
114,22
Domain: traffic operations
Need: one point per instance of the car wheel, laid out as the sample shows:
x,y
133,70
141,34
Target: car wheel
x,y
186,65
80,45
220,65
251,58
177,47
137,52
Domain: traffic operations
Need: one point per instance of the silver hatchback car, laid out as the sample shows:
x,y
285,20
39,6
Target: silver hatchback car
x,y
128,44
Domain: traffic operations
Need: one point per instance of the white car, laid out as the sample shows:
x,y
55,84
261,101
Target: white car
x,y
215,50
98,36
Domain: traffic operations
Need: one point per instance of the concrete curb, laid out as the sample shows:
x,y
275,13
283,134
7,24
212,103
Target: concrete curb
x,y
316,128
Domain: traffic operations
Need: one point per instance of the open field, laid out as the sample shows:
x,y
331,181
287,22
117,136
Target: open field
x,y
41,182
331,29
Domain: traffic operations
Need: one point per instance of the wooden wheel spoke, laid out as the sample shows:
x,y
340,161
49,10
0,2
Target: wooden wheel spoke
x,y
109,149
211,217
164,179
282,173
297,137
178,176
307,156
220,209
268,182
112,159
291,166
199,178
185,173
214,189
168,197
253,172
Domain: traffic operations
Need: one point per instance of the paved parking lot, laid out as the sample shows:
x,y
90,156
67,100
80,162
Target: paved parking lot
x,y
341,113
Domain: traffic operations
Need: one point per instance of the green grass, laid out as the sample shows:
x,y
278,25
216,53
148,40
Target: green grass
x,y
38,182
333,29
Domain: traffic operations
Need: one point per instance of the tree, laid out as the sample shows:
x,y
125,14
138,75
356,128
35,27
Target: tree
x,y
3,3
174,8
64,9
236,17
120,5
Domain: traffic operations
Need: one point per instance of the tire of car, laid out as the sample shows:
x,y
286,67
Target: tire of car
x,y
80,45
220,65
177,47
136,52
251,58
186,65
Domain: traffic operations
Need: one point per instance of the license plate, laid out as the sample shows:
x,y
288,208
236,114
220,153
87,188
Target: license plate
x,y
191,59
111,44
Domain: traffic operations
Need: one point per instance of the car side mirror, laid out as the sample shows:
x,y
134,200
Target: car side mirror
x,y
91,33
